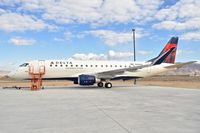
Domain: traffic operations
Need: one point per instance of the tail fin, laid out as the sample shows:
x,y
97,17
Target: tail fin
x,y
162,57
173,42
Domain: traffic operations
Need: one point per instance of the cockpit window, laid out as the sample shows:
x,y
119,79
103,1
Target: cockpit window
x,y
24,65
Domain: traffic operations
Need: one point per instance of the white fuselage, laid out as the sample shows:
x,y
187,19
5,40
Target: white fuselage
x,y
58,69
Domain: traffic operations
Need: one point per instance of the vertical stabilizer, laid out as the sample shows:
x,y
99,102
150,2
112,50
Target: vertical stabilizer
x,y
171,45
173,42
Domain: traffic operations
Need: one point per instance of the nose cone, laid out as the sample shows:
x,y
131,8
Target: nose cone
x,y
18,74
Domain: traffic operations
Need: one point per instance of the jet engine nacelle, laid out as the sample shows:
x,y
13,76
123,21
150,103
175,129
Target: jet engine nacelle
x,y
86,79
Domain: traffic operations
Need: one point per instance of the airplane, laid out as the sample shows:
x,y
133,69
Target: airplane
x,y
86,73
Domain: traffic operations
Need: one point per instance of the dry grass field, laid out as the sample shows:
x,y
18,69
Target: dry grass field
x,y
170,81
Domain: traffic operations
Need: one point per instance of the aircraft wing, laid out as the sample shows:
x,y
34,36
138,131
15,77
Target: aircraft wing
x,y
110,74
180,64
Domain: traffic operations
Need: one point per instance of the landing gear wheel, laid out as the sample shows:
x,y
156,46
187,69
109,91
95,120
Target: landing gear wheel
x,y
100,84
108,85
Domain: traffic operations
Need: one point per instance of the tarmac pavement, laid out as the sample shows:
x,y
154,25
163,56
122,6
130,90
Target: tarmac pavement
x,y
138,109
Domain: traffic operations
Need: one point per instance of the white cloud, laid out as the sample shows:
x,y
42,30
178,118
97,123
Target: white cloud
x,y
113,38
58,39
111,55
68,36
109,37
95,12
22,41
183,9
89,11
173,25
142,52
167,14
2,11
89,56
191,36
72,11
18,22
100,11
34,5
181,51
184,15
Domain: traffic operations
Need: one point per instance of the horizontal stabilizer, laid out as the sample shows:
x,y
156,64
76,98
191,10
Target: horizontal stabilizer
x,y
180,64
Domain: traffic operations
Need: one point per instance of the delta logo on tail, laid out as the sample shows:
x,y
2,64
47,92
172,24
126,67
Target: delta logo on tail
x,y
173,42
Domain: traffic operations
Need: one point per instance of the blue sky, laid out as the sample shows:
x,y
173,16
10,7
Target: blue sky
x,y
96,29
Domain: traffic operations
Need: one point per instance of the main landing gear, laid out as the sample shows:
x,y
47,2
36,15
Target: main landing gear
x,y
107,84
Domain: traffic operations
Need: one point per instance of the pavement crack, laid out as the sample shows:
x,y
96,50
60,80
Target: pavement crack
x,y
117,122
110,117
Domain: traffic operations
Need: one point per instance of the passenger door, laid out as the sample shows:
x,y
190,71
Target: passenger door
x,y
41,66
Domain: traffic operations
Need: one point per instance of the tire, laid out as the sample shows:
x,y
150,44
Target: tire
x,y
100,84
108,85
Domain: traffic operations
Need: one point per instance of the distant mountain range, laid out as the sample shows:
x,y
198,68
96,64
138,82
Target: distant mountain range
x,y
191,69
3,73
